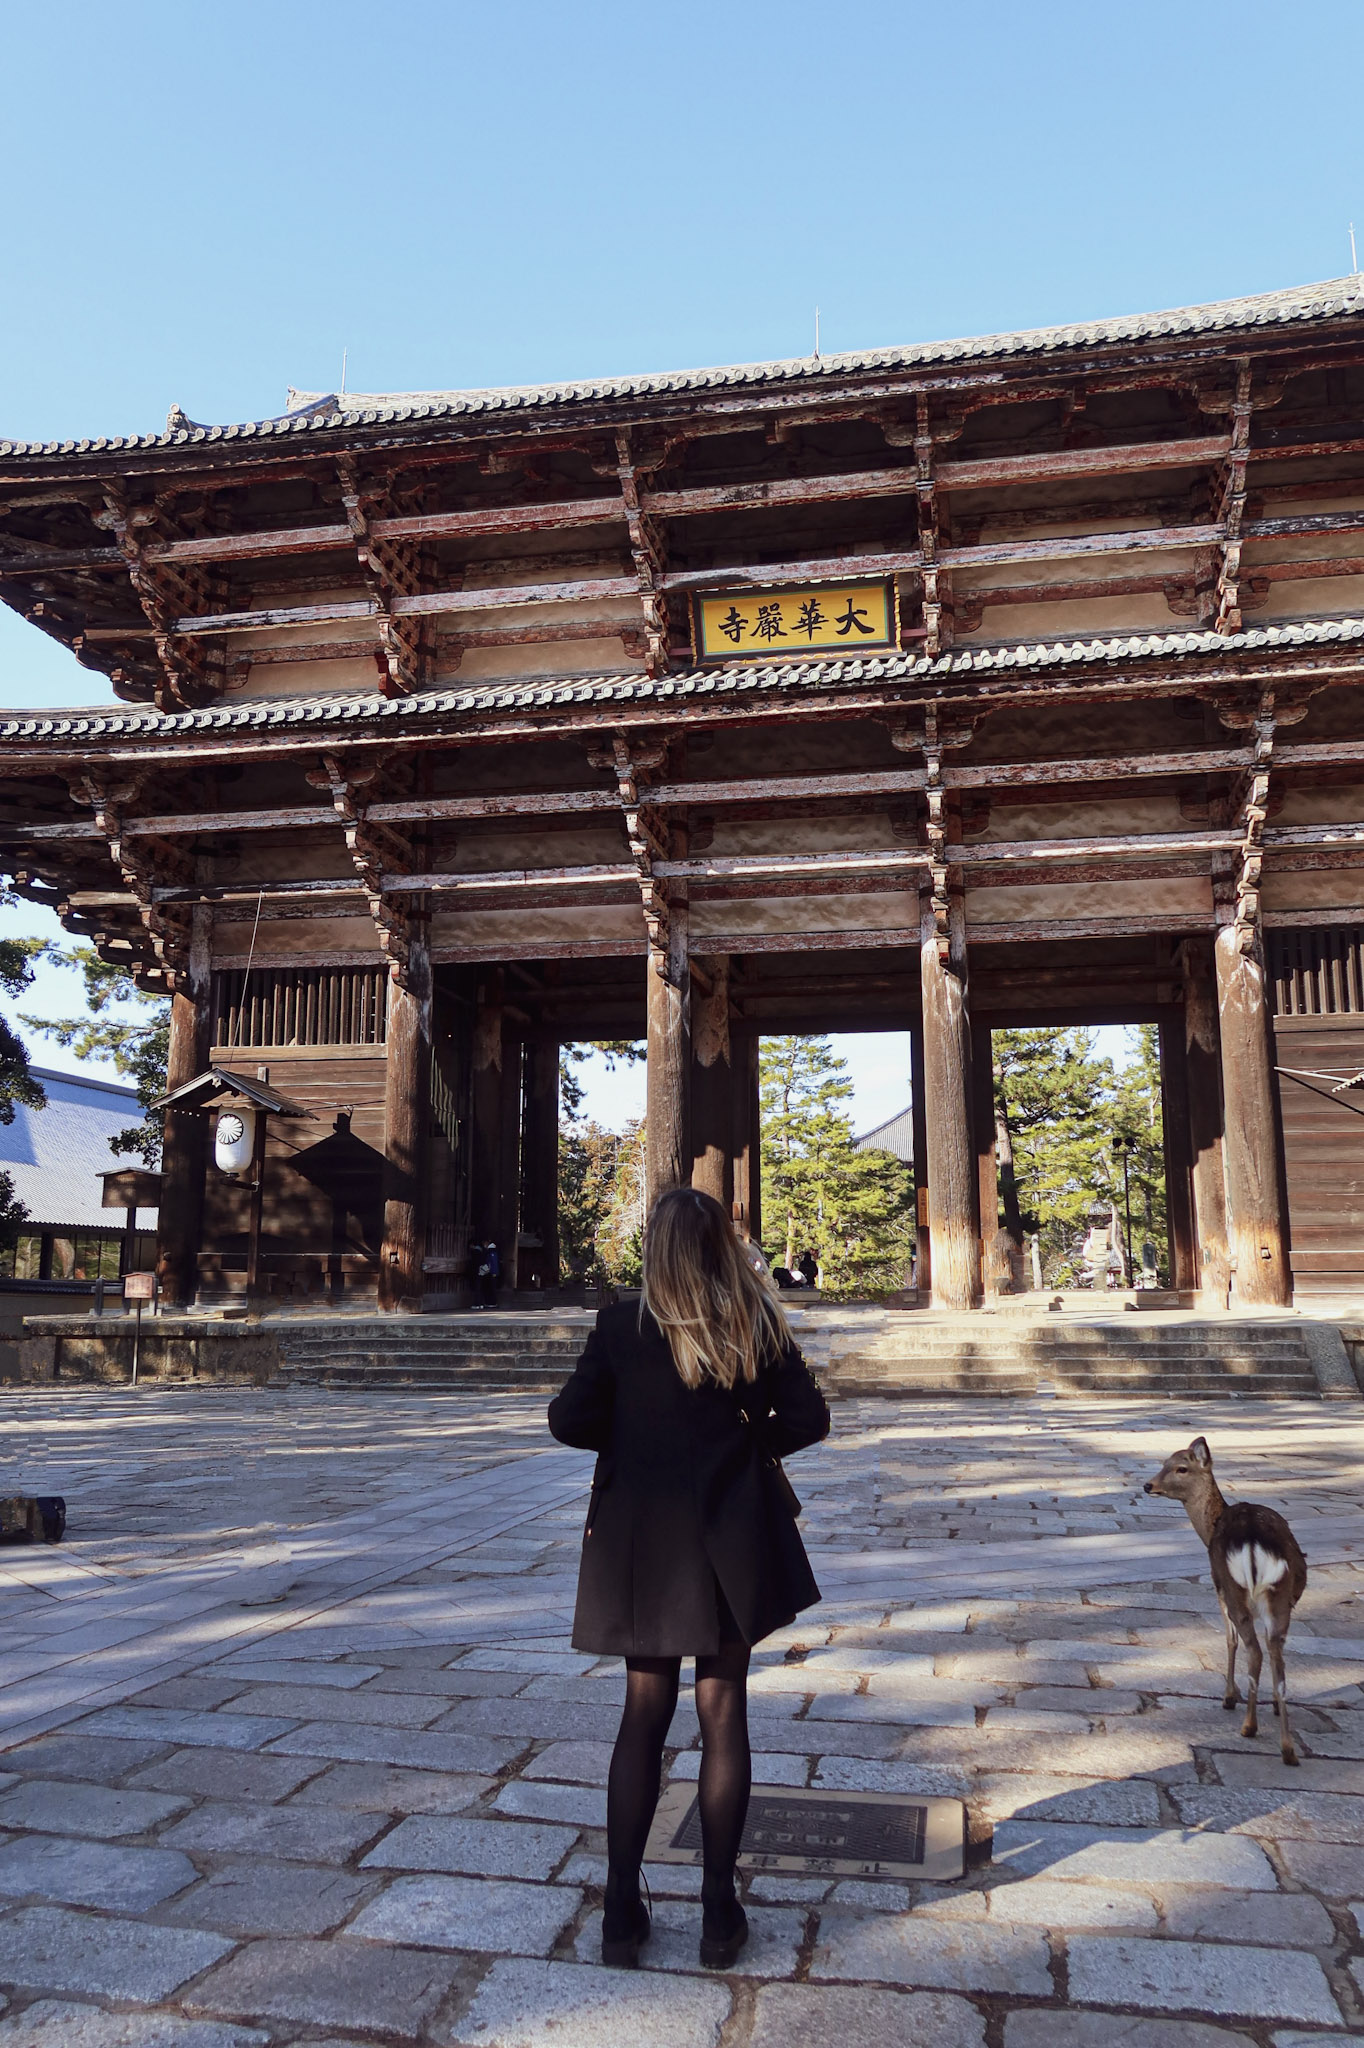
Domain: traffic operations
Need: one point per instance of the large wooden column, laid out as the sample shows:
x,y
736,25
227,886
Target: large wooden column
x,y
667,1156
1203,1079
1174,1123
485,1174
953,1208
507,1209
923,1261
407,1114
712,1083
746,1127
540,1166
184,1143
1256,1235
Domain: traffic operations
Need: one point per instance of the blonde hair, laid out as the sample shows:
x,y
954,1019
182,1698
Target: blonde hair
x,y
719,1314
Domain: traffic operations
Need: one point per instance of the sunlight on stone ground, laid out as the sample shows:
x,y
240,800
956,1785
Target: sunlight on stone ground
x,y
295,1748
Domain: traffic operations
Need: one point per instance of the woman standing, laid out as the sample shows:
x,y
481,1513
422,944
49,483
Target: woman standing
x,y
691,1547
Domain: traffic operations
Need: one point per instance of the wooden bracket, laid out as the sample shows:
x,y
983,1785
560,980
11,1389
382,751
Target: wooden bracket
x,y
390,568
142,865
646,833
648,549
375,849
192,671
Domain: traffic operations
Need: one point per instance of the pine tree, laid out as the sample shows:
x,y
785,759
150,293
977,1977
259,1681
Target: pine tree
x,y
853,1210
137,1045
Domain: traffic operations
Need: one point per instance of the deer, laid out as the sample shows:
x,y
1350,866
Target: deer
x,y
1257,1567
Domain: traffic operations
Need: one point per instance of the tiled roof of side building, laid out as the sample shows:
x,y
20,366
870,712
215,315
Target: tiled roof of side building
x,y
310,411
962,663
55,1155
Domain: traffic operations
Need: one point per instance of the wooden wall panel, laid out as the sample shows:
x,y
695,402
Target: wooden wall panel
x,y
1323,1140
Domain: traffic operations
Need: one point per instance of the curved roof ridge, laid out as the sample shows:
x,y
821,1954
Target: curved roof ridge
x,y
626,686
310,411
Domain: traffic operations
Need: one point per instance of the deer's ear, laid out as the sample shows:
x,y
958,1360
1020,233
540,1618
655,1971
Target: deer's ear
x,y
1199,1452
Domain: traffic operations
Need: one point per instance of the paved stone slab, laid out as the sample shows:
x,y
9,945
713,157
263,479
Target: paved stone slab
x,y
305,1834
250,1669
365,1744
574,1763
228,1774
1192,1976
566,2005
162,1724
318,1702
333,1983
1048,1902
1323,1867
772,1948
489,1848
906,1949
1117,2030
498,1916
1278,1816
91,1873
393,1788
582,1805
1210,1913
838,2016
1040,1795
1132,1856
271,1898
206,1691
47,1948
57,2023
1291,2038
790,1769
79,1756
59,1808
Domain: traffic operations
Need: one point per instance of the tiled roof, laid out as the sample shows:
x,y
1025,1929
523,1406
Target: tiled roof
x,y
55,1155
262,714
311,411
895,1136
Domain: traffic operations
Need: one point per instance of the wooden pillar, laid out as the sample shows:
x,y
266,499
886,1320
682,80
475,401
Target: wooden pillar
x,y
540,1165
983,1133
953,1206
1256,1236
507,1211
712,1085
407,1113
1203,1078
486,1112
923,1264
746,1132
184,1143
667,1158
1174,1122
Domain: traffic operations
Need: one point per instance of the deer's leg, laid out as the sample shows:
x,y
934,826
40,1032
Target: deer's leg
x,y
1277,1679
1231,1695
1254,1659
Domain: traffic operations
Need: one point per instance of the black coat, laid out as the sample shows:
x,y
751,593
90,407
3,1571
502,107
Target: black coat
x,y
685,1494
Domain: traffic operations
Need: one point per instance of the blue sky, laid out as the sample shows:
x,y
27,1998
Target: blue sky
x,y
206,205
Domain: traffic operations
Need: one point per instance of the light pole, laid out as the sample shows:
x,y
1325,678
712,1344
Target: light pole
x,y
1123,1149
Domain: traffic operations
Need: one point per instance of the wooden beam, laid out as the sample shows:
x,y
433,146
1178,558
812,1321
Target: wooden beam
x,y
983,471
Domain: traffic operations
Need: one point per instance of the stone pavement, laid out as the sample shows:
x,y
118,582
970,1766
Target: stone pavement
x,y
293,1746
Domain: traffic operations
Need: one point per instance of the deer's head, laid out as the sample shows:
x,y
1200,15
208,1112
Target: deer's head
x,y
1184,1473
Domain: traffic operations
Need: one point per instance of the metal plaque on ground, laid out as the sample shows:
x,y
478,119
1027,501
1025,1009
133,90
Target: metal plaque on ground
x,y
834,1834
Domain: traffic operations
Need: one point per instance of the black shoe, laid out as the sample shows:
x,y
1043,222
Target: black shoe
x,y
625,1927
724,1930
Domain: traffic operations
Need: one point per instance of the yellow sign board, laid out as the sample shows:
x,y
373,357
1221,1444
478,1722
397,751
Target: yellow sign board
x,y
774,625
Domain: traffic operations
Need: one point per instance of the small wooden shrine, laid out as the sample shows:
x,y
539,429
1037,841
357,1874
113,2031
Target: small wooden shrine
x,y
1005,681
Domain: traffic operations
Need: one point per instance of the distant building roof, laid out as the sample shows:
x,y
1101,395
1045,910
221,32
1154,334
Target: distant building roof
x,y
895,1136
55,1155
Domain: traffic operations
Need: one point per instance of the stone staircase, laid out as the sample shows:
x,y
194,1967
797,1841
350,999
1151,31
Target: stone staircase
x,y
919,1354
532,1354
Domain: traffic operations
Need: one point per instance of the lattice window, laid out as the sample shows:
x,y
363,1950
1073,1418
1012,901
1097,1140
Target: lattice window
x,y
277,1006
1317,973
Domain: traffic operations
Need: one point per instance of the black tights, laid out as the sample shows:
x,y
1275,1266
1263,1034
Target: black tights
x,y
637,1762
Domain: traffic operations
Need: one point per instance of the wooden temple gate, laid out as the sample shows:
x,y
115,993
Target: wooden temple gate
x,y
941,688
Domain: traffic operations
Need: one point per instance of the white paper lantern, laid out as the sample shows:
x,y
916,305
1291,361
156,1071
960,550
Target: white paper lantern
x,y
234,1139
